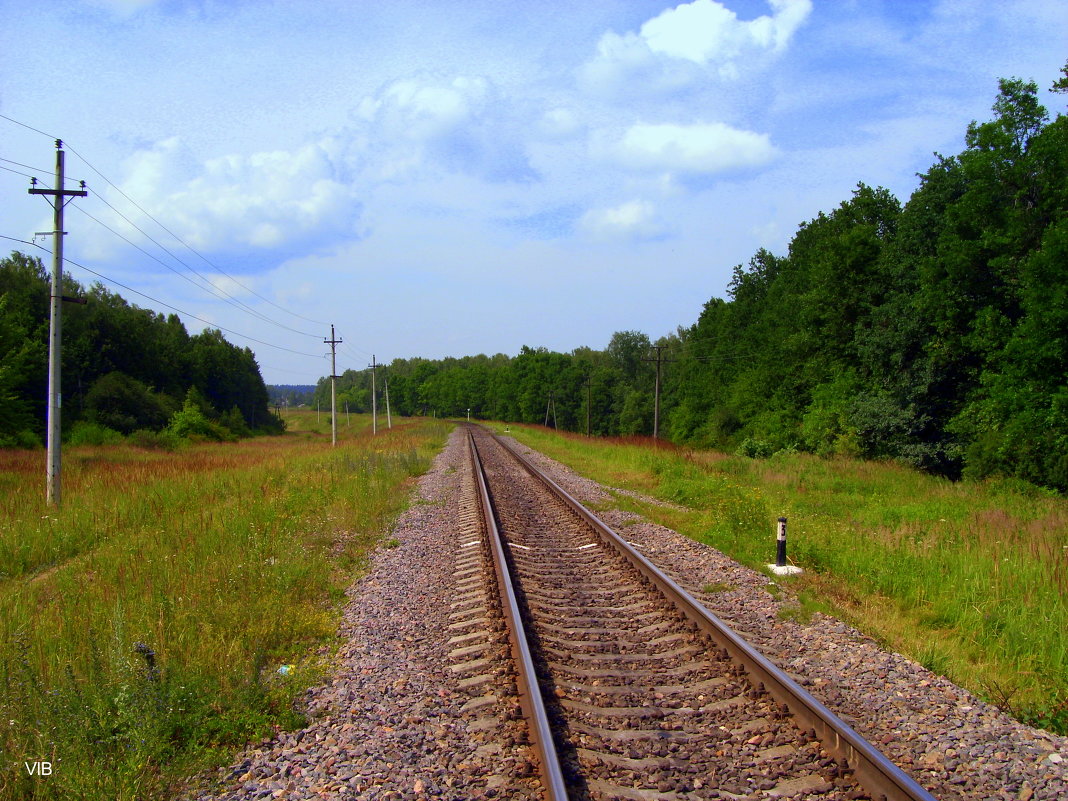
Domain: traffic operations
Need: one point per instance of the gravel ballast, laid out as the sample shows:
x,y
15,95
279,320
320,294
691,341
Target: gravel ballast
x,y
394,722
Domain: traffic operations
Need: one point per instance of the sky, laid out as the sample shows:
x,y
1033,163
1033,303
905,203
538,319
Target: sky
x,y
451,178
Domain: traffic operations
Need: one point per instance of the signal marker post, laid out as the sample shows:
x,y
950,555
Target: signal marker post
x,y
780,568
53,492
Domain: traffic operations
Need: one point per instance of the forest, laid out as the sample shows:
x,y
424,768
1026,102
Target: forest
x,y
934,333
126,371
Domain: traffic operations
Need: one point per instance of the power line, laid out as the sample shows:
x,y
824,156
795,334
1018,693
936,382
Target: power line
x,y
165,228
138,247
38,170
284,370
350,352
17,172
24,242
212,289
162,303
187,245
30,127
27,166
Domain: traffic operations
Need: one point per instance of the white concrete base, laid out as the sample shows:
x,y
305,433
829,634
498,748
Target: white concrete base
x,y
785,570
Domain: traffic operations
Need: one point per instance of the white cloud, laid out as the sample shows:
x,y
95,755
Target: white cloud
x,y
418,110
463,124
635,219
681,44
706,31
691,149
263,200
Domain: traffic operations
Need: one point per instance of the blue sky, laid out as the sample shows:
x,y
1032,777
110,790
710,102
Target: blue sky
x,y
451,178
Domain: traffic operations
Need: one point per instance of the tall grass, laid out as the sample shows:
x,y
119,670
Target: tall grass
x,y
969,578
143,624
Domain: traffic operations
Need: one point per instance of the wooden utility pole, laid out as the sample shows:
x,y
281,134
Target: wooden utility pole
x,y
551,404
589,400
389,418
374,400
656,402
333,343
53,491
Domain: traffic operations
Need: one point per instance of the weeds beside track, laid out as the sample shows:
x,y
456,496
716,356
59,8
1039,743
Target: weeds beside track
x,y
143,624
968,578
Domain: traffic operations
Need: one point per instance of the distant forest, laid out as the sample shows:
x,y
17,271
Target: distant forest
x,y
125,370
291,395
934,333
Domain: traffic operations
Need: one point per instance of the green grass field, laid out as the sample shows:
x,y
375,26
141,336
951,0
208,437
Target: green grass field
x,y
970,579
143,624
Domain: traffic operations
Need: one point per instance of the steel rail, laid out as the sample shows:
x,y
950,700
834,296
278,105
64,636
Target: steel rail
x,y
874,771
552,777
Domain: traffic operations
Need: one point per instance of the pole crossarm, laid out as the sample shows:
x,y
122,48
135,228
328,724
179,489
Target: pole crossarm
x,y
59,192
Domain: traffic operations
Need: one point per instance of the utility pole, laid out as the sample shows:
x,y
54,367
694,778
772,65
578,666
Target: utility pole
x,y
53,491
589,400
374,400
551,404
656,403
333,343
389,418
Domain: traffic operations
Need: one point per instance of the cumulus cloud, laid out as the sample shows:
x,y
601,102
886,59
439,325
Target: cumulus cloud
x,y
463,124
265,200
690,149
635,219
706,31
680,45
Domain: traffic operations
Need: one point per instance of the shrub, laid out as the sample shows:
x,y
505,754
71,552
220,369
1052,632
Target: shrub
x,y
85,433
755,448
25,439
235,423
190,423
124,404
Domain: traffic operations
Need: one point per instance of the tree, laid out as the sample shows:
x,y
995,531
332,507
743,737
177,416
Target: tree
x,y
18,355
1061,84
124,404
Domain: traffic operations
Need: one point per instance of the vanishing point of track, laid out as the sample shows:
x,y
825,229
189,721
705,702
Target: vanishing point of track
x,y
630,688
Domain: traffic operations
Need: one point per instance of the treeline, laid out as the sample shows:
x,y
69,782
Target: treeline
x,y
935,333
125,370
534,386
291,395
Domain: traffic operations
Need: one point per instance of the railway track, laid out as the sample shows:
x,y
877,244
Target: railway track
x,y
630,688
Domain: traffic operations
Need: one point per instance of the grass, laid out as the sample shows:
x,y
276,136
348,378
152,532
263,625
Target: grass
x,y
968,578
143,624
